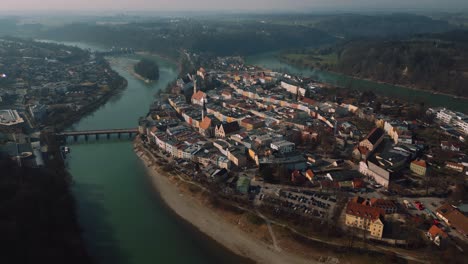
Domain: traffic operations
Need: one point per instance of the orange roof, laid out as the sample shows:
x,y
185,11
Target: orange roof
x,y
421,163
434,231
199,95
307,101
205,123
358,183
310,174
364,211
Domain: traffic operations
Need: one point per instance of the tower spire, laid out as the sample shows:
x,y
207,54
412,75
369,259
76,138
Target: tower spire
x,y
194,84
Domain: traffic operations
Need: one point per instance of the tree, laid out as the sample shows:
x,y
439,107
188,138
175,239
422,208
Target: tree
x,y
148,69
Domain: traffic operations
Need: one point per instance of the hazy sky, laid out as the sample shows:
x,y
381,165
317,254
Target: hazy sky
x,y
227,5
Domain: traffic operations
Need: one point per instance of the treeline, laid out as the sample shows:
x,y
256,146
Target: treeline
x,y
217,37
38,223
352,26
431,62
435,62
147,69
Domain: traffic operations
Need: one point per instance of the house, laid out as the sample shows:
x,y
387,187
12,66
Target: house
x,y
454,166
418,167
207,127
373,139
388,206
369,144
252,123
310,175
282,146
358,183
224,129
445,145
199,98
436,235
366,218
454,218
237,156
298,177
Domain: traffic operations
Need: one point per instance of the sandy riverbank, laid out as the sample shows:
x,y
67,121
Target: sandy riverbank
x,y
212,223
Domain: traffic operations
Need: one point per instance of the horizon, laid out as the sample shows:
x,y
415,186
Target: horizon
x,y
13,7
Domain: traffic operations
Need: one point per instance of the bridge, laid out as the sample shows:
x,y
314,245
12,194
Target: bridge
x,y
108,132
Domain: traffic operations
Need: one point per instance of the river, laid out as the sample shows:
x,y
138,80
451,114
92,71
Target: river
x,y
270,61
123,220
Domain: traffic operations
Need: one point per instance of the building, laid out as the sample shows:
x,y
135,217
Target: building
x,y
379,174
282,146
224,129
445,115
436,235
369,144
419,167
252,123
388,206
38,112
454,166
199,98
445,145
373,139
365,218
243,185
454,218
10,121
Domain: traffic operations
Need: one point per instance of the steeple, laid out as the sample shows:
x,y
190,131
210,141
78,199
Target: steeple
x,y
194,78
203,110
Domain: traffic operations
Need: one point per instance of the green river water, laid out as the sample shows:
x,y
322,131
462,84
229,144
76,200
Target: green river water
x,y
123,220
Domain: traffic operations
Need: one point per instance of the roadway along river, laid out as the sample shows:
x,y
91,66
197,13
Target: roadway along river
x,y
123,220
271,61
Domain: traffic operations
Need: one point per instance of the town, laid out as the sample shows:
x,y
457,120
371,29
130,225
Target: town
x,y
45,86
348,162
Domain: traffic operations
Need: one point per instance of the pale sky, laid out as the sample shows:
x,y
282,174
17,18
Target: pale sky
x,y
226,5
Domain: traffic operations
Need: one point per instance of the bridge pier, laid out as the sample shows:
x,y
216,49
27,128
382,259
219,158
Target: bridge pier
x,y
108,135
97,136
86,137
118,135
75,138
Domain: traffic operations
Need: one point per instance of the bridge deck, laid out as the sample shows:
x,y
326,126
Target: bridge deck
x,y
98,132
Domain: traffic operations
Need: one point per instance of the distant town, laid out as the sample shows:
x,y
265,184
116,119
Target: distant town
x,y
351,162
47,86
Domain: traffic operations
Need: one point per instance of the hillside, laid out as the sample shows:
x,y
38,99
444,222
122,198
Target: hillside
x,y
211,36
435,62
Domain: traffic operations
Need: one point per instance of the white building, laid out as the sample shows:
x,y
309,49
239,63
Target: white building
x,y
282,146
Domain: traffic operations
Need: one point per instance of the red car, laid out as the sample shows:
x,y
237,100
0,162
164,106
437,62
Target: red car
x,y
419,205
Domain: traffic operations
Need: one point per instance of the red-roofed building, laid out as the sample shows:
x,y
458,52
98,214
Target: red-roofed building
x,y
358,183
199,98
436,235
298,177
419,167
206,127
310,175
365,217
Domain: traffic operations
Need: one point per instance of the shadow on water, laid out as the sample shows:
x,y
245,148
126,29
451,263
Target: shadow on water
x,y
99,235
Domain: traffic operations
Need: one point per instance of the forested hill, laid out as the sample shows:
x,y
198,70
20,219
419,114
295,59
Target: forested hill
x,y
352,26
435,62
217,37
